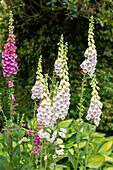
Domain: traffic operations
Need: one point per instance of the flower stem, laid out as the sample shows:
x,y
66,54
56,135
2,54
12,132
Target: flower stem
x,y
41,156
88,143
80,116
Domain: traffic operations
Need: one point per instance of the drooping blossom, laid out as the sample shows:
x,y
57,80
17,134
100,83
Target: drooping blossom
x,y
95,107
8,56
89,64
37,89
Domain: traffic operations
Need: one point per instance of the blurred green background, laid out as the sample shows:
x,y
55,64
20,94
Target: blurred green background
x,y
38,25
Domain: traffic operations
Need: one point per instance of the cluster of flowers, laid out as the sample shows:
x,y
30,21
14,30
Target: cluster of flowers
x,y
9,55
54,138
49,112
94,110
37,144
37,89
89,64
37,141
24,139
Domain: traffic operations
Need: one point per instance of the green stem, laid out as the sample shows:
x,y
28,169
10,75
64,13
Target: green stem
x,y
11,154
41,157
89,138
80,116
45,154
55,146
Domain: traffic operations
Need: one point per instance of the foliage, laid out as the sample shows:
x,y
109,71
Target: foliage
x,y
100,148
38,33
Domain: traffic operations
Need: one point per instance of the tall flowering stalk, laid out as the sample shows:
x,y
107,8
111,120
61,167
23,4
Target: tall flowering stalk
x,y
37,89
54,102
95,107
9,69
89,64
9,64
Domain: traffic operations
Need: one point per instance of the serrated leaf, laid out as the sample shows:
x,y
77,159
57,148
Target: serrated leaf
x,y
65,123
72,159
105,147
95,161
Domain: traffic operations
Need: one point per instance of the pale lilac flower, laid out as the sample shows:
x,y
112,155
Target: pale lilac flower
x,y
62,146
63,130
62,134
37,89
54,156
95,107
60,152
59,141
45,158
89,64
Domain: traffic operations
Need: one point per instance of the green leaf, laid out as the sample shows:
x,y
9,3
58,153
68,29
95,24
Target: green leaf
x,y
95,161
105,147
1,136
69,145
65,123
3,161
96,134
59,167
110,168
16,152
1,167
108,158
72,159
81,145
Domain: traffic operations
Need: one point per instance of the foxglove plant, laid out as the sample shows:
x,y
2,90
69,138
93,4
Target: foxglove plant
x,y
37,89
9,64
89,64
62,99
94,110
